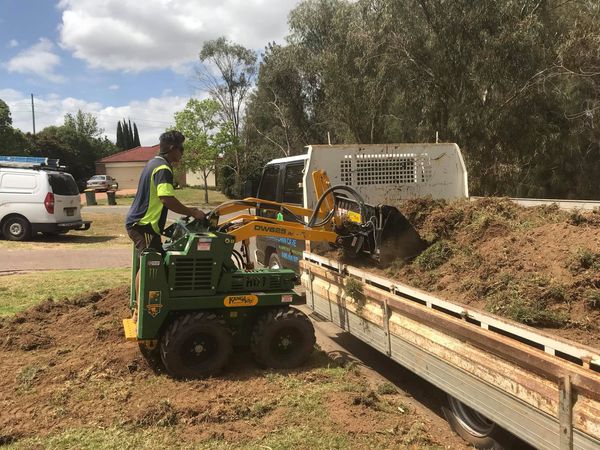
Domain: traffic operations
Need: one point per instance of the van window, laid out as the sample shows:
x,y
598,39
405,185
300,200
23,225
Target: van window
x,y
21,181
62,184
268,184
292,184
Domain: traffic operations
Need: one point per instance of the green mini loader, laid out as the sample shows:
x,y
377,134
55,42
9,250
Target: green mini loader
x,y
201,298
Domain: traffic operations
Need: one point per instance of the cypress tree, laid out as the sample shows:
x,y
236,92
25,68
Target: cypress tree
x,y
126,140
120,136
136,136
131,140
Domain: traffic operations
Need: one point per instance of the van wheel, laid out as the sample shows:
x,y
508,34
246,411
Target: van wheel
x,y
275,262
16,228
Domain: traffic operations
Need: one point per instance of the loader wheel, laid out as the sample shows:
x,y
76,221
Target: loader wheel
x,y
282,338
476,429
196,345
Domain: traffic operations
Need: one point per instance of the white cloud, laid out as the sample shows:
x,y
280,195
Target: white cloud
x,y
114,87
39,60
152,116
134,36
12,43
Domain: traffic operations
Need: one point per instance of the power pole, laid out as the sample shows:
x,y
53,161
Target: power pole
x,y
33,114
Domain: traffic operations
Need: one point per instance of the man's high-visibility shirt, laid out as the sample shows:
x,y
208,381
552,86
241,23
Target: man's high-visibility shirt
x,y
156,181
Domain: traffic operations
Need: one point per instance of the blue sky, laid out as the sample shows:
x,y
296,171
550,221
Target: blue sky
x,y
119,58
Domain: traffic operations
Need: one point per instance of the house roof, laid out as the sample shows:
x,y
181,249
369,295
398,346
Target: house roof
x,y
135,154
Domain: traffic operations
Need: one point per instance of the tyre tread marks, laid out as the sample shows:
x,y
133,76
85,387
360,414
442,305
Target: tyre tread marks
x,y
270,318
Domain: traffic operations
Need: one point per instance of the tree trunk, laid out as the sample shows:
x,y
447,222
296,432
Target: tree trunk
x,y
205,178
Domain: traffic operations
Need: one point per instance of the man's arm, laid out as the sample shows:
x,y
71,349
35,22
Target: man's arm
x,y
175,205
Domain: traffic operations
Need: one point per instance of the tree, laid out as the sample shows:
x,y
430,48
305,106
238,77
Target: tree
x,y
77,143
12,140
515,83
5,118
136,136
236,69
200,125
129,135
85,124
120,136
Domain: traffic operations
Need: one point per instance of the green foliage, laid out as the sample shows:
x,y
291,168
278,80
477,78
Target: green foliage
x,y
5,117
534,301
77,144
206,135
584,259
12,140
515,83
354,289
435,255
592,299
127,135
120,135
236,68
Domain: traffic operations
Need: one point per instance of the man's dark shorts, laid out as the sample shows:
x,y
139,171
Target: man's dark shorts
x,y
144,237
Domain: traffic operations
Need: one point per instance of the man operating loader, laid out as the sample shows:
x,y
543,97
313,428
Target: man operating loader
x,y
156,196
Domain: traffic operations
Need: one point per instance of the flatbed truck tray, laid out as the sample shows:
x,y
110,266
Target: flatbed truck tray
x,y
541,388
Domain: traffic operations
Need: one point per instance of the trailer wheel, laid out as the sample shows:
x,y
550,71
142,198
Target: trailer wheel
x,y
196,345
474,428
282,338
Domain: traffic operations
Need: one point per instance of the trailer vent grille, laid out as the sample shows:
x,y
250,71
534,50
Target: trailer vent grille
x,y
193,274
384,169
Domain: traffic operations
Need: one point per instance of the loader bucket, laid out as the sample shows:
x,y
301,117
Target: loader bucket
x,y
398,238
381,232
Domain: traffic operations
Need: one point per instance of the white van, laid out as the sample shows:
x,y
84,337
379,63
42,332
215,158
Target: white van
x,y
37,197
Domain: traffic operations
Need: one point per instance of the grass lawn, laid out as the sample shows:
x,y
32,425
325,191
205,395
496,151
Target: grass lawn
x,y
21,291
106,230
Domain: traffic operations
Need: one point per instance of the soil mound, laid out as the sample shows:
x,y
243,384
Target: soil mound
x,y
66,366
539,266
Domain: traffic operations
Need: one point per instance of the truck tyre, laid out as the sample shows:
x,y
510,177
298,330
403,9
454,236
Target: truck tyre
x,y
274,261
16,228
474,428
282,338
196,345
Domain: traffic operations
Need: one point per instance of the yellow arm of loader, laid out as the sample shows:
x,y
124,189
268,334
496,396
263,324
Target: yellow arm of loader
x,y
259,226
252,202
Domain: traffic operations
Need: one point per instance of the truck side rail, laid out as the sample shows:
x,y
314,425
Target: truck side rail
x,y
518,377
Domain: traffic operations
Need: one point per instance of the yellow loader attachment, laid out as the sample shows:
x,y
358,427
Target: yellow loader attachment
x,y
340,217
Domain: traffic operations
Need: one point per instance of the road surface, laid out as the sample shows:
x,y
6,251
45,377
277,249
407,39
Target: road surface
x,y
60,259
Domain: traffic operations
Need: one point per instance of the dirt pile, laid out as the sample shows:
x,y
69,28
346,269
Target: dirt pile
x,y
66,366
539,266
